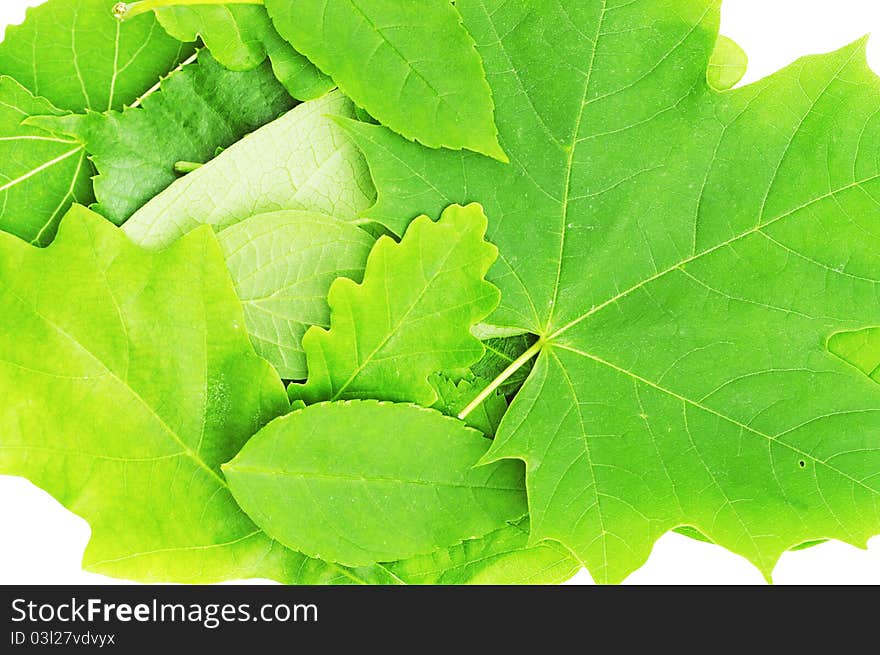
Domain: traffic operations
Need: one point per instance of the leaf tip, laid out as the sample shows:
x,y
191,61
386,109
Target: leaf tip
x,y
493,149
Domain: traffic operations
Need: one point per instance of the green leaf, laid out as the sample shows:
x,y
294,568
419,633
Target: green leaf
x,y
411,65
406,485
683,255
410,318
198,109
123,400
500,354
860,349
78,56
241,37
282,265
453,396
303,160
728,64
41,174
502,557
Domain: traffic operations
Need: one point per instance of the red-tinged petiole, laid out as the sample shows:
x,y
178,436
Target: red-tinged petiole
x,y
126,10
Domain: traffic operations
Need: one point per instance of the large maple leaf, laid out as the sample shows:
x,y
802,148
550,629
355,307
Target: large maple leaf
x,y
684,256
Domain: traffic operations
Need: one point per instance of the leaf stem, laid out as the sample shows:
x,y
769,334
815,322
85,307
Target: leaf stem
x,y
505,375
158,85
185,167
126,10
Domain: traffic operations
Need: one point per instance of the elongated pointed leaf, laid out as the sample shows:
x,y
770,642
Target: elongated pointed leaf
x,y
410,64
403,485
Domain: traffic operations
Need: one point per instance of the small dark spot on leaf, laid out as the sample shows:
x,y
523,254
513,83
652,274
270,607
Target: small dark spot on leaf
x,y
802,464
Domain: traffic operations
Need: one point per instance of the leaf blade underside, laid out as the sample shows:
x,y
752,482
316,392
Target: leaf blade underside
x,y
385,57
282,265
303,160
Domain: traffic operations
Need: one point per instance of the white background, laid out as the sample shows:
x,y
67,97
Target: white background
x,y
41,543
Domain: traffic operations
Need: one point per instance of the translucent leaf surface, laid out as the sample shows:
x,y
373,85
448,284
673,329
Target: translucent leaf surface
x,y
411,316
304,160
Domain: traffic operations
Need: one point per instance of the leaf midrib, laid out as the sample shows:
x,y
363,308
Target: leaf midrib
x,y
755,230
719,414
311,475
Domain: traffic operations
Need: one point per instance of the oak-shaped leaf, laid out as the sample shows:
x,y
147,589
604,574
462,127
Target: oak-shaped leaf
x,y
410,317
303,160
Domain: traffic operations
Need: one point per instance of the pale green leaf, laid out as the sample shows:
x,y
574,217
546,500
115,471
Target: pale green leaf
x,y
404,485
241,37
303,160
728,64
41,174
410,317
78,56
410,64
684,256
123,400
282,265
198,109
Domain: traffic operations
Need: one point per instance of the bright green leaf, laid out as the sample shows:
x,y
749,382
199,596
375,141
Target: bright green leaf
x,y
684,255
78,56
411,316
123,400
410,64
41,174
282,265
728,64
303,160
198,109
503,557
404,484
241,37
